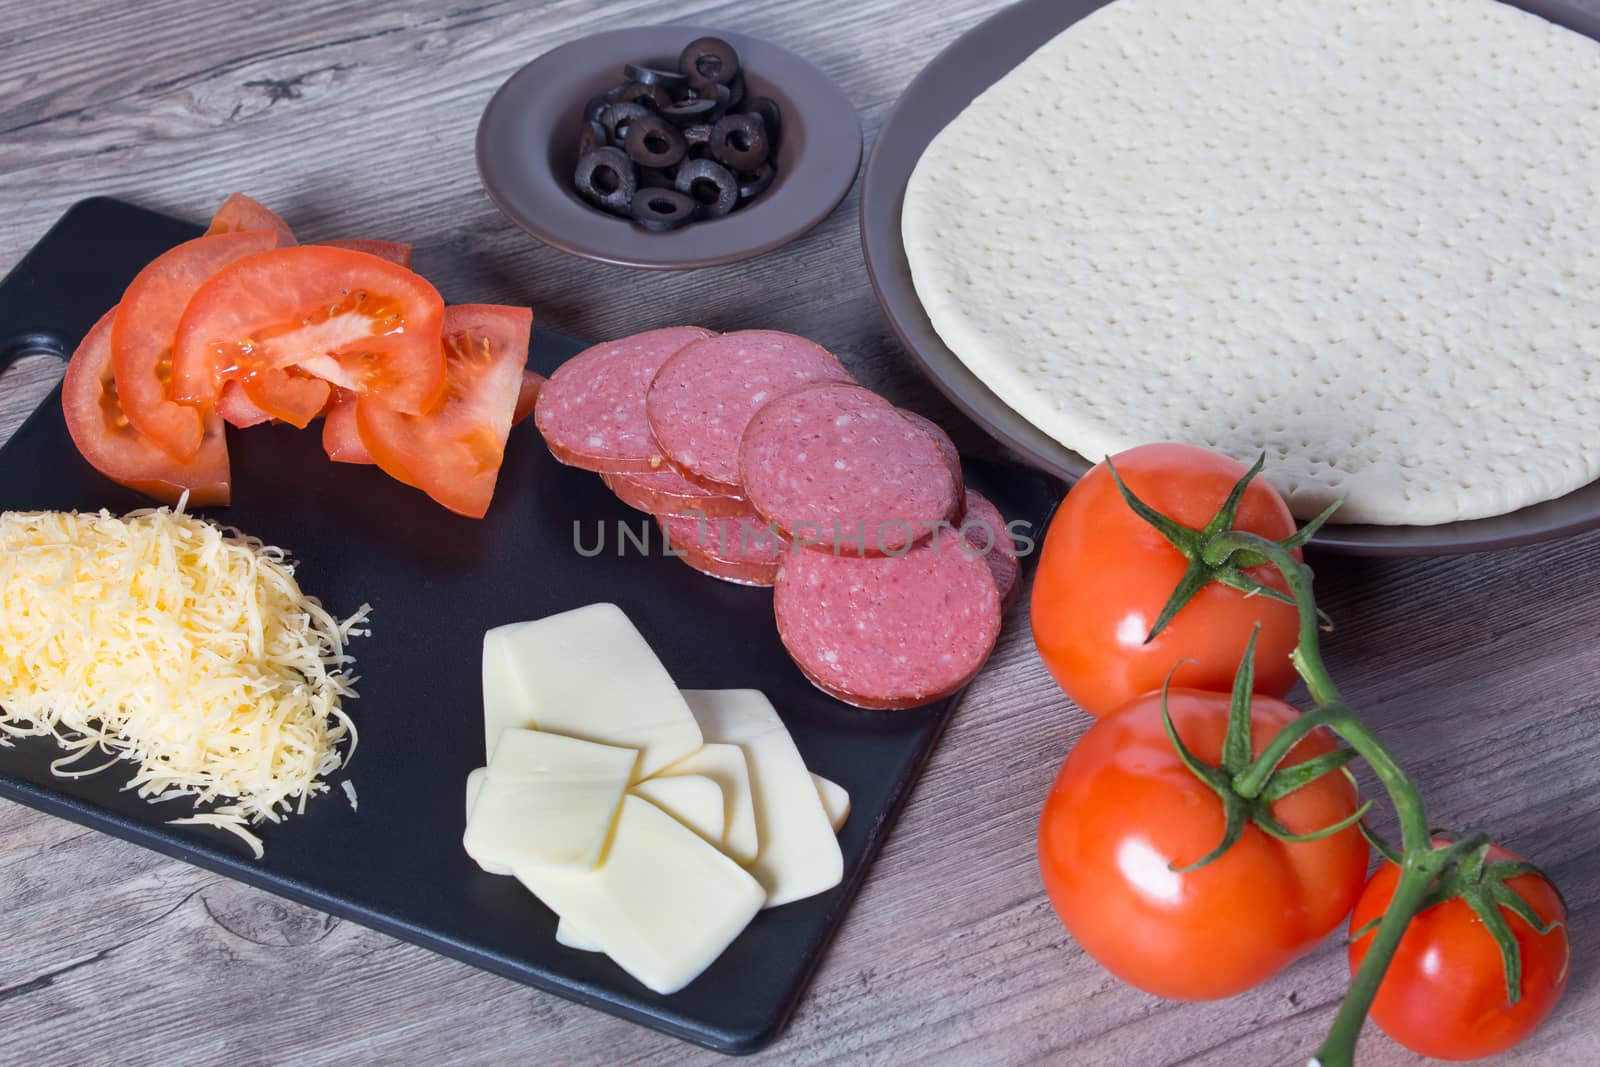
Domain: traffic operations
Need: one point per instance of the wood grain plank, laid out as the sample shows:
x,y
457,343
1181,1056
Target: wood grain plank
x,y
1481,672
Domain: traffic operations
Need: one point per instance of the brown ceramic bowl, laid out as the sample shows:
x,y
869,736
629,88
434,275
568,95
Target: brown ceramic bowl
x,y
528,148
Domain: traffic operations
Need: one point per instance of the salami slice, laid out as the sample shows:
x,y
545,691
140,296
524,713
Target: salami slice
x,y
591,411
947,447
984,530
705,395
736,548
666,492
839,468
889,632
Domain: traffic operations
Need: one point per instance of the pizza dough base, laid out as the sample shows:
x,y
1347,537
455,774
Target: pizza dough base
x,y
1364,237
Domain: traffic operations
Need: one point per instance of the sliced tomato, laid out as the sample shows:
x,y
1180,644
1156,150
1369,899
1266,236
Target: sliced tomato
x,y
288,395
146,324
528,395
115,448
239,213
349,318
393,251
453,453
340,438
237,409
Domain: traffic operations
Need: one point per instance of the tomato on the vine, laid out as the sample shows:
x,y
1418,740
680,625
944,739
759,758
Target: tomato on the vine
x,y
1105,574
1444,994
1125,811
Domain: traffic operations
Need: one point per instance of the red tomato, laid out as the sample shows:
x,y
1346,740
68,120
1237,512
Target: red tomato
x,y
1125,810
351,319
286,394
237,409
1444,994
453,454
340,438
1105,574
146,323
239,213
393,251
528,395
105,437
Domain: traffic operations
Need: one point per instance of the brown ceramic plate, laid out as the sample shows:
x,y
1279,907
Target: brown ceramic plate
x,y
527,149
944,88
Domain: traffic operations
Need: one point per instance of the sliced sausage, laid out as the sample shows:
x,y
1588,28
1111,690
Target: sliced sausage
x,y
527,395
839,468
984,530
703,397
736,548
889,632
947,447
591,411
666,492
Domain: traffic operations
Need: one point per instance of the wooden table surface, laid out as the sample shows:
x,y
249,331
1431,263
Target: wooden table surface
x,y
1481,672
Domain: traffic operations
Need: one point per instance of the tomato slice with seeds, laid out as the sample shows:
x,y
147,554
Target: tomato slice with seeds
x,y
239,213
146,324
350,318
115,448
454,453
340,438
393,251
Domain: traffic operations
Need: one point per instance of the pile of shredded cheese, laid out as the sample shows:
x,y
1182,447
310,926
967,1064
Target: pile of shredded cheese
x,y
184,647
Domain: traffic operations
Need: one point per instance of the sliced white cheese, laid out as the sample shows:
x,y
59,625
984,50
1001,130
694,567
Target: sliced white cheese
x,y
799,855
726,765
589,673
547,800
475,782
692,799
506,705
835,800
572,937
664,904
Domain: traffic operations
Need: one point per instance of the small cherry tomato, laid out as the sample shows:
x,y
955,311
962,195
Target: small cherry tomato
x,y
1105,574
1125,811
1444,994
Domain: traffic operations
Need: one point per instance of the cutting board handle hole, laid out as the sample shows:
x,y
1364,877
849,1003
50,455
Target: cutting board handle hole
x,y
33,344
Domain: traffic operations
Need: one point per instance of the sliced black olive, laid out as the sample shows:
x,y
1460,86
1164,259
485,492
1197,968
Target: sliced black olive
x,y
736,90
669,80
708,60
740,142
713,186
656,178
614,92
592,137
606,179
752,185
723,95
653,97
654,142
688,112
663,209
592,110
615,119
771,115
697,136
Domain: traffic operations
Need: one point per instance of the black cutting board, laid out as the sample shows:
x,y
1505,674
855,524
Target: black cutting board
x,y
436,582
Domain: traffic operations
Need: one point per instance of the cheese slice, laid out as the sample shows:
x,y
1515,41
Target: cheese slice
x,y
726,766
506,705
475,782
569,935
664,904
692,799
835,801
547,800
588,673
799,855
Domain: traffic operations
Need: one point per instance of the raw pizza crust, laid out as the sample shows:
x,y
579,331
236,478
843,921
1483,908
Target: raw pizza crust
x,y
1364,237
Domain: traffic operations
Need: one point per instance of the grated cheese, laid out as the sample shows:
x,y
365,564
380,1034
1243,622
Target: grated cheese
x,y
181,646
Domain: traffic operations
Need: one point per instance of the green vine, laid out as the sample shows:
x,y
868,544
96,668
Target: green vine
x,y
1430,873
